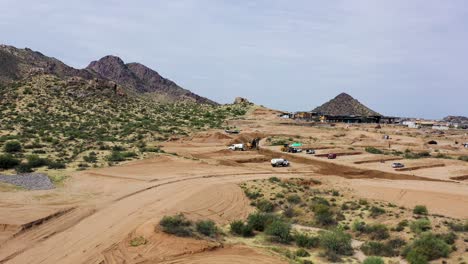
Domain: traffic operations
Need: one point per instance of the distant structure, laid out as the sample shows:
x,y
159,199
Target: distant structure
x,y
343,109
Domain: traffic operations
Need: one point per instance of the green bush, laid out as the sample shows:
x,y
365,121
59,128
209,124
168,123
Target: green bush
x,y
294,198
374,150
302,253
376,211
323,215
335,243
463,158
420,225
177,225
306,241
427,247
420,209
373,260
259,220
12,147
279,231
56,165
116,156
265,206
206,227
241,229
401,225
377,231
35,161
458,227
8,162
23,168
274,179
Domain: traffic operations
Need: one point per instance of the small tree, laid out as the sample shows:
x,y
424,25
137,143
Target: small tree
x,y
426,248
8,162
177,225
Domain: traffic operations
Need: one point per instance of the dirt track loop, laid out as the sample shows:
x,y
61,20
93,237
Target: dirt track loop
x,y
204,196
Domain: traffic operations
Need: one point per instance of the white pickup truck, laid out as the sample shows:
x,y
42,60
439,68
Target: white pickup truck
x,y
236,147
279,163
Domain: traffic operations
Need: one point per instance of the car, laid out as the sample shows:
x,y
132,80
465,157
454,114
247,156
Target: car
x,y
396,165
294,150
279,162
310,151
331,156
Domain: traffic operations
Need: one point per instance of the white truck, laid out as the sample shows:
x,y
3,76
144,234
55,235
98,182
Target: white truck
x,y
279,163
236,147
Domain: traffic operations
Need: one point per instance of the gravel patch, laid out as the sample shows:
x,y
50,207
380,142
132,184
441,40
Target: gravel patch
x,y
30,181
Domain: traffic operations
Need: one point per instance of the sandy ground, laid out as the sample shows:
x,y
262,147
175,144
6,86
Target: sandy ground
x,y
92,218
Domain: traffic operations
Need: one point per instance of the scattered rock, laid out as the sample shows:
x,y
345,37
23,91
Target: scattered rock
x,y
30,181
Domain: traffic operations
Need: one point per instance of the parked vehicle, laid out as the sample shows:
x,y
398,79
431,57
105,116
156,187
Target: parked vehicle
x,y
310,151
279,163
232,131
396,165
294,150
331,156
236,147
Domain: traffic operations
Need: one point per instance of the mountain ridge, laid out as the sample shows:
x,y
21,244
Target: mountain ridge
x,y
131,78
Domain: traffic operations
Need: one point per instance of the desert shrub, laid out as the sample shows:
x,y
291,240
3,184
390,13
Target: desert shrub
x,y
138,241
23,168
359,226
323,215
91,157
388,249
335,243
302,253
377,231
12,147
206,227
56,165
279,231
420,209
427,247
177,225
411,155
252,195
236,227
363,202
7,161
458,227
373,260
265,206
449,238
115,156
274,179
294,198
374,150
259,220
463,158
35,161
306,241
420,225
376,211
401,225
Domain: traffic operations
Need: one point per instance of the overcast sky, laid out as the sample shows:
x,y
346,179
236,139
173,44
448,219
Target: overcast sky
x,y
399,57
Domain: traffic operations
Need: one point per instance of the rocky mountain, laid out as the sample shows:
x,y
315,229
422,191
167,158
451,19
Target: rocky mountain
x,y
109,72
142,80
344,104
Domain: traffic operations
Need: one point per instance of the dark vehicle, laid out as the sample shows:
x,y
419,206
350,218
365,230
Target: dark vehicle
x,y
331,156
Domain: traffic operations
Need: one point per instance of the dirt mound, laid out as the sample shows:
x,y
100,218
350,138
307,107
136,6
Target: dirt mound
x,y
214,137
247,137
229,255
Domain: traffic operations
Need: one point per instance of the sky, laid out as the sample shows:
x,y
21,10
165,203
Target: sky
x,y
399,57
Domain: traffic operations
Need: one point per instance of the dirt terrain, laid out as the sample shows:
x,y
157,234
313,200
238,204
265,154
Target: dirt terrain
x,y
94,215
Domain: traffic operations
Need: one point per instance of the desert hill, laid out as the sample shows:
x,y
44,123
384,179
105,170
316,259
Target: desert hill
x,y
108,72
344,104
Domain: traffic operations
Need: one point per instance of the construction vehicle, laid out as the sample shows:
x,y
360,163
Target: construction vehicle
x,y
237,147
279,162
